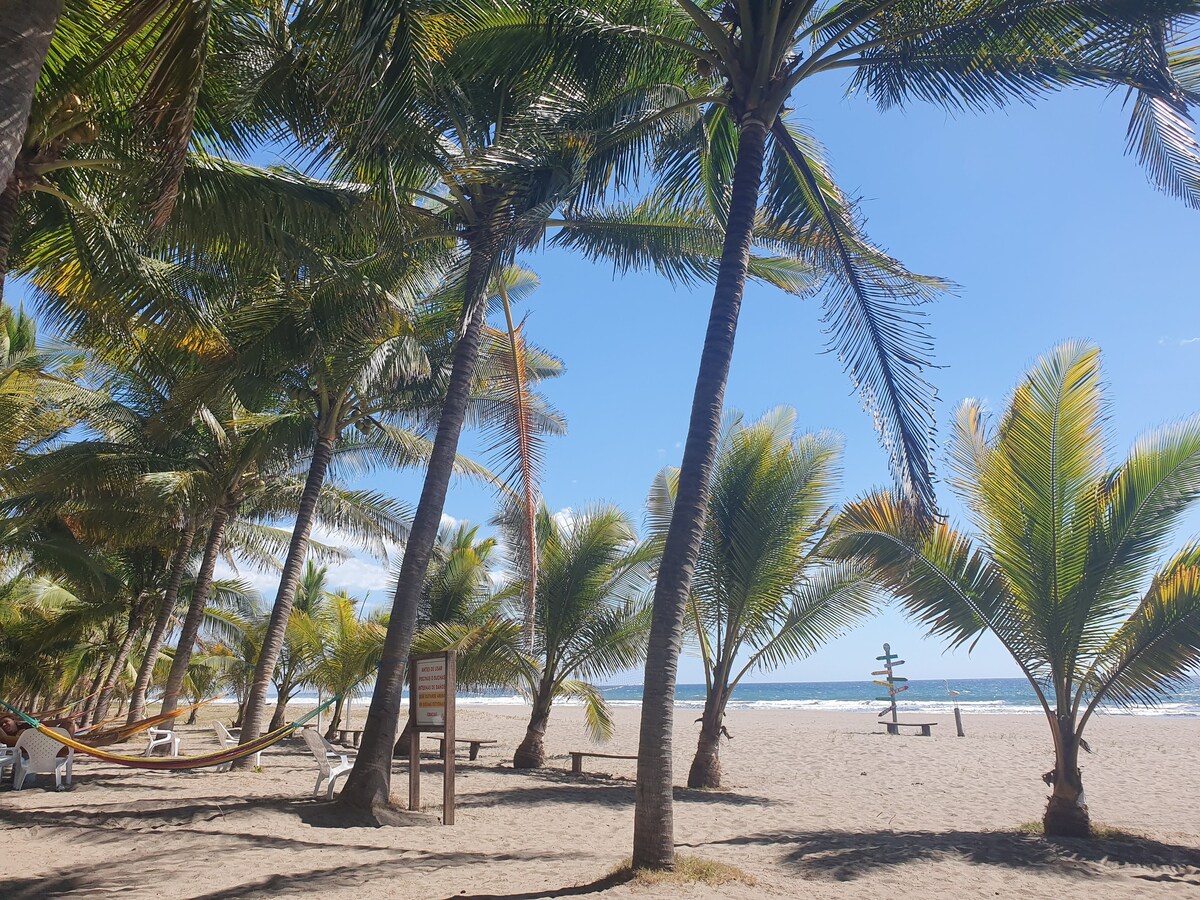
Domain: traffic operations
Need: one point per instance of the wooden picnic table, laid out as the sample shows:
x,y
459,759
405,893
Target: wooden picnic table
x,y
473,744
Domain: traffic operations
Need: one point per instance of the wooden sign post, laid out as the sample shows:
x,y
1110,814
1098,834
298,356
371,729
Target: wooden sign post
x,y
431,697
894,683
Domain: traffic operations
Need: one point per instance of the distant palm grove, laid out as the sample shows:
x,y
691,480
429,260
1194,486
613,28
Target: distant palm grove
x,y
201,353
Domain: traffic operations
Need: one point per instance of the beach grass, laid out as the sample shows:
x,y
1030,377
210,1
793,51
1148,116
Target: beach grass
x,y
688,870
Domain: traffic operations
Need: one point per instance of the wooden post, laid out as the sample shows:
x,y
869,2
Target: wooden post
x,y
414,743
427,716
958,721
448,737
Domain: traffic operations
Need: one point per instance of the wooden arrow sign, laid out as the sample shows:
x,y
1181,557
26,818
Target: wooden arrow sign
x,y
882,683
897,690
887,657
898,678
882,672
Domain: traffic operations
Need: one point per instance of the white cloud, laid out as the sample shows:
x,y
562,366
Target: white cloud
x,y
1186,341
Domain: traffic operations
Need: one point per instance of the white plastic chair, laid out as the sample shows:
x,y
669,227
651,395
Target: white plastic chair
x,y
324,752
37,754
8,758
227,741
161,737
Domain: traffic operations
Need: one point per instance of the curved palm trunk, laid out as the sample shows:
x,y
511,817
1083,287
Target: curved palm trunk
x,y
706,764
137,700
93,694
335,722
192,716
132,628
653,828
289,580
279,717
1066,810
531,753
195,615
369,783
26,30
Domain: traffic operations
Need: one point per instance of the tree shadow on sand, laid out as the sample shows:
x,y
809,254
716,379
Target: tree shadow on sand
x,y
537,787
847,855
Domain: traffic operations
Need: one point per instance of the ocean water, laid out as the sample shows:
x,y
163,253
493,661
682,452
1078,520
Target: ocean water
x,y
975,696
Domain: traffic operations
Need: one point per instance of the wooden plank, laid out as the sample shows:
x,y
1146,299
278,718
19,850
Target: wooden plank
x,y
448,766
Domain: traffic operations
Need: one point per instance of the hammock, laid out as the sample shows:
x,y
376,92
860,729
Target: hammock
x,y
96,736
179,763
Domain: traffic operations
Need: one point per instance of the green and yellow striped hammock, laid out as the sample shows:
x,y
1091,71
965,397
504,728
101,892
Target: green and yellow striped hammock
x,y
176,763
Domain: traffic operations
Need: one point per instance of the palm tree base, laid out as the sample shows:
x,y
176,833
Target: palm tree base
x,y
1065,817
531,754
705,772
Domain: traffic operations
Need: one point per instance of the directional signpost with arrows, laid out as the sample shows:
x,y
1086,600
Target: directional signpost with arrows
x,y
894,683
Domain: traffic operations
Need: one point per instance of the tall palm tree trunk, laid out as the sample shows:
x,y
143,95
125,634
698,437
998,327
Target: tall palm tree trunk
x,y
132,628
289,580
369,783
26,29
653,828
137,700
531,752
1066,811
195,614
706,764
9,201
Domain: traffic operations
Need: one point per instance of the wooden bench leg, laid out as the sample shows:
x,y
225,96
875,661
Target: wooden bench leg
x,y
925,732
893,728
442,749
474,749
576,763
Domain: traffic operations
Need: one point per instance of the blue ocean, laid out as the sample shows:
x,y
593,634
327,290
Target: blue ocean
x,y
977,695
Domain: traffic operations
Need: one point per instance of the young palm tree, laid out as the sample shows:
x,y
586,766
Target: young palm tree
x,y
762,595
303,642
754,56
1063,568
461,612
591,615
350,653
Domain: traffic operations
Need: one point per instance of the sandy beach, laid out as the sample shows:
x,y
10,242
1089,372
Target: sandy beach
x,y
818,805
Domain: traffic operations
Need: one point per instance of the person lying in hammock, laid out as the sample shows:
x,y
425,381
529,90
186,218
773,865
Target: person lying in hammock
x,y
11,728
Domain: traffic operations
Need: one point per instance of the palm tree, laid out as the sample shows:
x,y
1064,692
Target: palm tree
x,y
350,650
1062,568
488,151
753,57
303,642
762,594
591,613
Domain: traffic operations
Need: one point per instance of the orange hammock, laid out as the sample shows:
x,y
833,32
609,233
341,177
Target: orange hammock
x,y
102,737
178,763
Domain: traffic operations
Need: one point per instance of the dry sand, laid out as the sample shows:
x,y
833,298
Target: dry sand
x,y
816,805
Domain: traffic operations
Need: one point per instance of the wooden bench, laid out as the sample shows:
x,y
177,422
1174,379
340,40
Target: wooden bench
x,y
350,736
578,755
473,749
894,727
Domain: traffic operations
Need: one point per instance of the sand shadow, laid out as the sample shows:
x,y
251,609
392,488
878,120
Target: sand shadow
x,y
149,874
848,855
562,787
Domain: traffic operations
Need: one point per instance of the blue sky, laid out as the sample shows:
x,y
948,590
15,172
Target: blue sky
x,y
1049,228
1037,213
